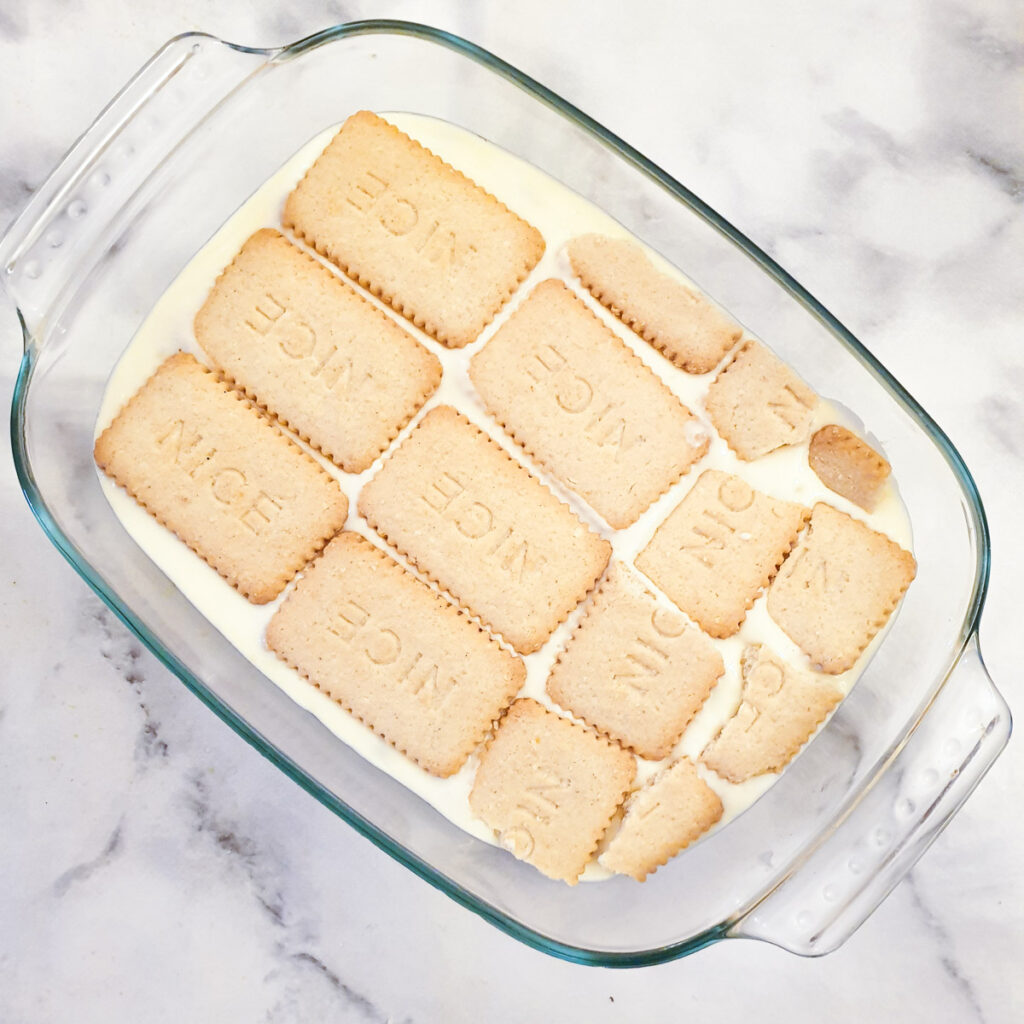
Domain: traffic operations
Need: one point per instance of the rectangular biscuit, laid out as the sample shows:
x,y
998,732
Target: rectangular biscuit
x,y
413,230
719,547
207,465
838,588
757,403
549,788
847,465
395,653
585,406
305,346
780,708
484,528
671,811
681,323
634,668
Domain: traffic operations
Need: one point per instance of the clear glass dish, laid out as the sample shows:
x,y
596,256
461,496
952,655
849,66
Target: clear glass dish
x,y
201,126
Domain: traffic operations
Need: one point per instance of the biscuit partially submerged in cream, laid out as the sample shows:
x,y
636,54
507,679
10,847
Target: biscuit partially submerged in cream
x,y
758,404
848,465
412,229
666,815
208,466
549,788
682,324
582,403
781,706
719,548
396,654
484,528
838,588
305,346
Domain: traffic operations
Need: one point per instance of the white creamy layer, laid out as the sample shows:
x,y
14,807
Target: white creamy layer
x,y
560,215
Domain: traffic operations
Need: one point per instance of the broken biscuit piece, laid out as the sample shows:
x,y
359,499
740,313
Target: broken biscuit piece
x,y
663,817
838,588
549,788
847,465
719,547
757,403
780,707
680,322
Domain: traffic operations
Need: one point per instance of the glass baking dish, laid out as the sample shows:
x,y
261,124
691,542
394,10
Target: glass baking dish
x,y
200,127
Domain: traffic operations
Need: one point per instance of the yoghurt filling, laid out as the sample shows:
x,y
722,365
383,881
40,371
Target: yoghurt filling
x,y
560,215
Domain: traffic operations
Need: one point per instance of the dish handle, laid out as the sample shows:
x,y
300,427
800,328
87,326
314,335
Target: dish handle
x,y
73,215
841,881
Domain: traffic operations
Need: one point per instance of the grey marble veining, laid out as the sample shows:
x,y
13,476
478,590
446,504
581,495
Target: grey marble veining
x,y
154,868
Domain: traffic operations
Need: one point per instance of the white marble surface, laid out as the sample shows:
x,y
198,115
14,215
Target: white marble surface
x,y
155,868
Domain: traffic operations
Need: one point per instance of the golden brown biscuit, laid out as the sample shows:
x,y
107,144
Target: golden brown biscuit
x,y
681,323
634,668
781,706
314,353
414,231
757,403
585,406
549,788
838,588
395,653
488,531
720,546
847,465
206,464
676,807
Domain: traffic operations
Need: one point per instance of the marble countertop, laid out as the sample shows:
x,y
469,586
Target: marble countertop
x,y
153,867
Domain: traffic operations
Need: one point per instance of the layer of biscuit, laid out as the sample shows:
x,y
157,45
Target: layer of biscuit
x,y
208,466
560,215
634,668
847,465
549,788
665,816
781,706
395,653
317,355
484,528
838,588
682,324
413,230
585,406
757,403
719,548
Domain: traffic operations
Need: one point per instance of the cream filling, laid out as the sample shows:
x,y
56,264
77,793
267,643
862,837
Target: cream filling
x,y
559,214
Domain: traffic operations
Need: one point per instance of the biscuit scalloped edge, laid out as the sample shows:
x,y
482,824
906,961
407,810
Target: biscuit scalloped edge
x,y
805,518
258,598
414,405
792,752
360,277
447,608
699,451
640,328
592,734
409,557
594,595
883,618
634,794
733,354
879,622
766,580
